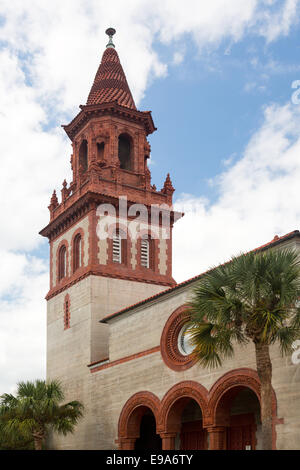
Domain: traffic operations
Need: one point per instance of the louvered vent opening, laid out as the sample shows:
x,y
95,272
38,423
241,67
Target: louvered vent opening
x,y
145,253
117,248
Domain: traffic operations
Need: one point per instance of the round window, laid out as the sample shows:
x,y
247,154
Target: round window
x,y
175,343
185,345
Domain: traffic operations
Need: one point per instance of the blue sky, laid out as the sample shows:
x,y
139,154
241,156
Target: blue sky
x,y
217,76
208,107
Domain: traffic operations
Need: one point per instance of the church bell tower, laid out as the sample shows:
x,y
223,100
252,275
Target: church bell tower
x,y
92,276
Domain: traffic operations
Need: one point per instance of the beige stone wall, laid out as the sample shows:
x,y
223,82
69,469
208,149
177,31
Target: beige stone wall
x,y
84,224
142,330
70,351
110,295
105,392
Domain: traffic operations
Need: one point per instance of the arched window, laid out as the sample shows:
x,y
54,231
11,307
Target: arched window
x,y
83,156
119,245
125,152
77,252
62,262
147,252
100,151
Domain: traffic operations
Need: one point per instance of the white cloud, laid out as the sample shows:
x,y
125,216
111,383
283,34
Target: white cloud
x,y
22,320
50,51
258,198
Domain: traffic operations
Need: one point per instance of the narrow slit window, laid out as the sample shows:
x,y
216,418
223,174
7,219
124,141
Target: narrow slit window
x,y
67,314
62,263
77,252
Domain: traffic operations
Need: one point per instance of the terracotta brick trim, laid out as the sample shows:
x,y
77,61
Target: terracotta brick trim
x,y
168,411
133,411
169,341
247,378
174,401
91,272
78,231
124,359
63,243
67,313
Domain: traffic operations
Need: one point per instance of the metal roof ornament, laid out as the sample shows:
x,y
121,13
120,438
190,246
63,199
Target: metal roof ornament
x,y
110,32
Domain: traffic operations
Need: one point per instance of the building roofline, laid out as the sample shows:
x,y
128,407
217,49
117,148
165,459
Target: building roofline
x,y
276,241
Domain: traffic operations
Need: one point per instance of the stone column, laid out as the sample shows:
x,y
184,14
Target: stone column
x,y
217,437
126,443
168,440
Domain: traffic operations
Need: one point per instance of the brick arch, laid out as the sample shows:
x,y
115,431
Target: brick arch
x,y
225,389
176,399
78,231
169,338
131,415
62,243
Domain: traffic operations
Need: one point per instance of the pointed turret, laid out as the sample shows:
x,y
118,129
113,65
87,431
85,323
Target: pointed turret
x,y
110,95
110,84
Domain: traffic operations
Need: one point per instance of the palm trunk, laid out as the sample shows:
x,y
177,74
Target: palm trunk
x,y
38,443
38,438
264,370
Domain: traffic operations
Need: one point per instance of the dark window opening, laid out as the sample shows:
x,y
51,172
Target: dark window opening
x,y
62,263
77,252
100,151
125,152
83,156
148,438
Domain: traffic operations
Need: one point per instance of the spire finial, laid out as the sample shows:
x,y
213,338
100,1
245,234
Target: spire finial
x,y
110,32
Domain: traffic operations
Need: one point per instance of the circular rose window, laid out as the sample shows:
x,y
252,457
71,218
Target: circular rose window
x,y
175,343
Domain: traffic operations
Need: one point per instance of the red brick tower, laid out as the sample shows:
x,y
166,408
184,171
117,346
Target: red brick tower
x,y
91,277
109,160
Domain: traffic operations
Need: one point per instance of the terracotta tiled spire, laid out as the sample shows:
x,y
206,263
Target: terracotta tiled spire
x,y
110,82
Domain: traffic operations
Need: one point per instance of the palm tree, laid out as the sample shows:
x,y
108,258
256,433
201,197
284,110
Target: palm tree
x,y
35,410
251,298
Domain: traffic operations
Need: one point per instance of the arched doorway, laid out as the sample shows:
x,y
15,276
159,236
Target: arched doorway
x,y
148,439
138,423
239,412
192,435
234,408
182,414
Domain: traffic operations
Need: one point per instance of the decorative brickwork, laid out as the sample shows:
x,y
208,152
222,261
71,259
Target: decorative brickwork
x,y
214,405
75,265
60,279
175,401
110,84
100,177
131,415
67,314
169,341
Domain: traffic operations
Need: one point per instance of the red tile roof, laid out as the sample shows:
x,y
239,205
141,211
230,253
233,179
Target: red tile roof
x,y
110,82
276,241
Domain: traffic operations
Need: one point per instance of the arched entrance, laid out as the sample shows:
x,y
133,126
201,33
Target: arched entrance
x,y
148,439
138,423
239,412
192,435
234,405
182,411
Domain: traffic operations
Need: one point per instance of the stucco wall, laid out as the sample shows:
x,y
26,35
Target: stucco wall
x,y
106,391
70,351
